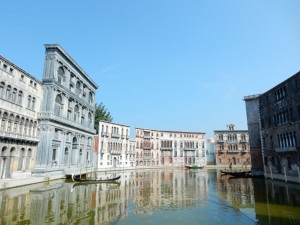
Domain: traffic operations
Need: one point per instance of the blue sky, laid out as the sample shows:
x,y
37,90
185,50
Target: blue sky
x,y
163,64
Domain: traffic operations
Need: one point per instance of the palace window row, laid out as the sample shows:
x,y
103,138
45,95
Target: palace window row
x,y
21,157
11,94
286,140
75,112
76,85
280,93
10,122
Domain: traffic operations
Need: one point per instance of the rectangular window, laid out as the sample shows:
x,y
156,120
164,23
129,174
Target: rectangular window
x,y
54,154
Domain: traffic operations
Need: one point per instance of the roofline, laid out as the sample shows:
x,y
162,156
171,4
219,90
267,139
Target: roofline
x,y
281,83
71,60
21,70
231,131
251,97
187,132
114,123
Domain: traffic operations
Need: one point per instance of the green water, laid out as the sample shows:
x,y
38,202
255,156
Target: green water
x,y
156,196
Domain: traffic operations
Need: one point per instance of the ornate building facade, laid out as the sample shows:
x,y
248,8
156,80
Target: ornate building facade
x,y
20,99
278,116
169,148
66,117
115,149
232,147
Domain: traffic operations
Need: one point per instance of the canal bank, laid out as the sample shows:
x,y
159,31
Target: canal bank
x,y
29,179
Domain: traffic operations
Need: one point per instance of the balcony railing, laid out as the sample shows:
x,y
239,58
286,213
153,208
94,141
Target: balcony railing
x,y
166,149
286,149
232,141
232,151
113,135
189,149
18,136
51,116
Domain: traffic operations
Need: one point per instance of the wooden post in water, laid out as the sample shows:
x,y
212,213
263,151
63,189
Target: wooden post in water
x,y
271,172
80,171
285,174
299,174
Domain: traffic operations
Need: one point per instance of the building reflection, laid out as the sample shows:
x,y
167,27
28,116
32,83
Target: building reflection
x,y
146,192
270,202
277,202
238,192
66,203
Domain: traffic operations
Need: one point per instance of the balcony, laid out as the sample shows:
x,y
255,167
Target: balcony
x,y
146,147
113,135
127,137
189,149
123,136
166,149
243,141
18,136
245,151
103,134
51,116
147,136
220,141
232,151
286,149
232,141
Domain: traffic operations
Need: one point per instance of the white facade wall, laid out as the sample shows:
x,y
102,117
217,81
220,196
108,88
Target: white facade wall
x,y
20,100
169,148
115,149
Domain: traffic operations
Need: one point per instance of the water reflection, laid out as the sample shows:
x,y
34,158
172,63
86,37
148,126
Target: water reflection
x,y
166,196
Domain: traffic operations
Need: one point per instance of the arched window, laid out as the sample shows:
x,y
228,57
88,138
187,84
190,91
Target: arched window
x,y
66,157
29,102
90,98
33,103
10,122
21,159
78,87
76,113
90,119
14,95
17,120
8,93
4,120
60,75
2,88
243,137
58,105
26,126
21,125
20,97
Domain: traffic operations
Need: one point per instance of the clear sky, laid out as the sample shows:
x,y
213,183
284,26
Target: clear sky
x,y
163,64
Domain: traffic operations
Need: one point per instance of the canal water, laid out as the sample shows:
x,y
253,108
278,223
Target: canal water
x,y
155,196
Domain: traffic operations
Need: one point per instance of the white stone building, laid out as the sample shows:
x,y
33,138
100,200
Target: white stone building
x,y
115,149
66,117
20,99
169,148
